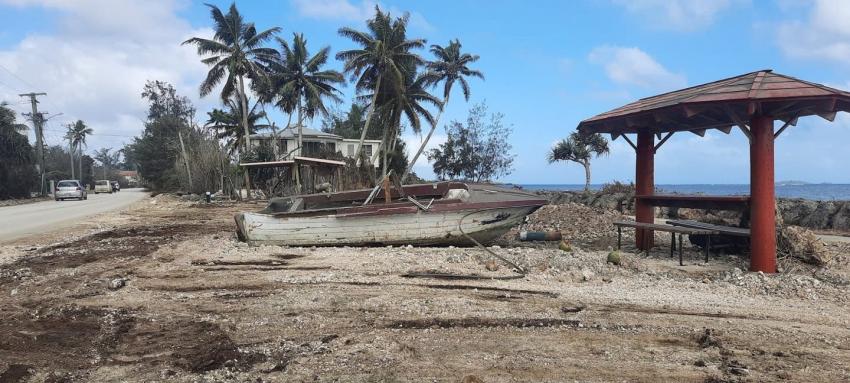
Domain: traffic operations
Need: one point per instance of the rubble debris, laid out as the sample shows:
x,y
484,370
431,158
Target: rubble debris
x,y
803,244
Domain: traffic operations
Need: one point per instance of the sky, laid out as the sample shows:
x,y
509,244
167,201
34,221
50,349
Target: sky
x,y
548,65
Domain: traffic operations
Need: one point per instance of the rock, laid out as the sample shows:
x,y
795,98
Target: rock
x,y
471,379
116,283
739,371
614,257
491,265
587,274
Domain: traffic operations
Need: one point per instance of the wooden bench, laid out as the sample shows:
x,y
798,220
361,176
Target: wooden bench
x,y
673,230
727,230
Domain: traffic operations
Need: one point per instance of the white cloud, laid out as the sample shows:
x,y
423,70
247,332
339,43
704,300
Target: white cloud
x,y
334,9
632,66
683,15
95,62
348,11
825,35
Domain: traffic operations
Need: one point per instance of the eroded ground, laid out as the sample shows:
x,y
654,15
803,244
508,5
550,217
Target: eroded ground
x,y
196,305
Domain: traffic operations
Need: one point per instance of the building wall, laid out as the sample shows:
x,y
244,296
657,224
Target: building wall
x,y
344,146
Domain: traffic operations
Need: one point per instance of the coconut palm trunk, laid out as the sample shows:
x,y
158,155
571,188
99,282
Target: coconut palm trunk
x,y
244,100
300,147
425,143
368,121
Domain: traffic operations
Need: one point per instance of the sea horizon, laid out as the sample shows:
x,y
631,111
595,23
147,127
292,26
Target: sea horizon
x,y
810,191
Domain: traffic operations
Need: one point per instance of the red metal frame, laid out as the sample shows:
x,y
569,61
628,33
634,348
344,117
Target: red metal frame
x,y
645,185
762,201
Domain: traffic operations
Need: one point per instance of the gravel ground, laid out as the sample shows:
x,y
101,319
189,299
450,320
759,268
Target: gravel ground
x,y
164,292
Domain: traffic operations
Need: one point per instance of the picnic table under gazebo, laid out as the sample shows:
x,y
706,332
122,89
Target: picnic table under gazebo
x,y
752,102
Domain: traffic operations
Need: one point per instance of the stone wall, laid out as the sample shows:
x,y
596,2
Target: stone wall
x,y
821,215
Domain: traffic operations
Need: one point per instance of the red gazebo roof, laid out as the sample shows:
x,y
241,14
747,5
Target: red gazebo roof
x,y
722,104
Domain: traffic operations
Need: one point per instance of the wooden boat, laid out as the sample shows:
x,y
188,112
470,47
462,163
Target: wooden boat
x,y
425,214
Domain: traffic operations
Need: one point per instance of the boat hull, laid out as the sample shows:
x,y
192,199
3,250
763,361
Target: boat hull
x,y
420,228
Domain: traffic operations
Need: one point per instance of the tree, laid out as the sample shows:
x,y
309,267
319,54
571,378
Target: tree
x,y
228,123
408,102
299,83
76,134
107,160
156,151
579,148
350,124
234,52
477,151
449,67
17,160
381,62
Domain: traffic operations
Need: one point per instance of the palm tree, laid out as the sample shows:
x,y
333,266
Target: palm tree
x,y
381,61
236,52
580,148
449,67
298,81
78,133
229,122
408,102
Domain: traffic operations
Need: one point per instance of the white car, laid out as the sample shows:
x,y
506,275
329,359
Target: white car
x,y
70,189
102,186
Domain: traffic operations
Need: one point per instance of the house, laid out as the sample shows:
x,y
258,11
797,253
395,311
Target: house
x,y
130,176
314,142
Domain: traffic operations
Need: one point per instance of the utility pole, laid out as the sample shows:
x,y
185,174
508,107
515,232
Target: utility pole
x,y
37,120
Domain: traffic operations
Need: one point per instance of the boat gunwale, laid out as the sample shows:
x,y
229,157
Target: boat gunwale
x,y
441,206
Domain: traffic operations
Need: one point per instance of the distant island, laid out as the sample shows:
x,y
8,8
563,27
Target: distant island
x,y
792,183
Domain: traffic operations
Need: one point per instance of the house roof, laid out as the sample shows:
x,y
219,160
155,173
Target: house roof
x,y
292,132
722,104
128,173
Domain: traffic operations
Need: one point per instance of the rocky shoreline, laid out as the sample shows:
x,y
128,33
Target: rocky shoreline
x,y
816,215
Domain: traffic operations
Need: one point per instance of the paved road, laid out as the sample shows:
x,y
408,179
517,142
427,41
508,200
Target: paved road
x,y
42,217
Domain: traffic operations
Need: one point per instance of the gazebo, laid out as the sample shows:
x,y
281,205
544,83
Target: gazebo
x,y
752,102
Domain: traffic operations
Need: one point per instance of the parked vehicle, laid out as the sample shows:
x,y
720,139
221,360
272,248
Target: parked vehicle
x,y
102,186
70,189
115,186
429,214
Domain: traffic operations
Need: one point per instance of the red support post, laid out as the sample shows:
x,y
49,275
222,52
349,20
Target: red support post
x,y
645,185
762,198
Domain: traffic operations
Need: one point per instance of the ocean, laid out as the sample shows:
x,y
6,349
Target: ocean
x,y
820,192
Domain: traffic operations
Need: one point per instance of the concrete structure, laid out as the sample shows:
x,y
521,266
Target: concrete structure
x,y
315,141
752,102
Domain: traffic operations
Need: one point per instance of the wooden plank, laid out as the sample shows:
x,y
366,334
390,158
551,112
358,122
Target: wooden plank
x,y
662,227
736,231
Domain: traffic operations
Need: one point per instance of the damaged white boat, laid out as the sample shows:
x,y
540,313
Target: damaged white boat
x,y
427,214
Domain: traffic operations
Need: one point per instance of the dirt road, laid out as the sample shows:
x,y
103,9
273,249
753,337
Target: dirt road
x,y
35,218
192,304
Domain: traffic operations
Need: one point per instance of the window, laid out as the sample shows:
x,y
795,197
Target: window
x,y
67,184
351,150
367,148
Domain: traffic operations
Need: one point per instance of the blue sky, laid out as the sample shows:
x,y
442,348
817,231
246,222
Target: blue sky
x,y
549,64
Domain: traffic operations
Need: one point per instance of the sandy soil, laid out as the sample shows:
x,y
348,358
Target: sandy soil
x,y
163,292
